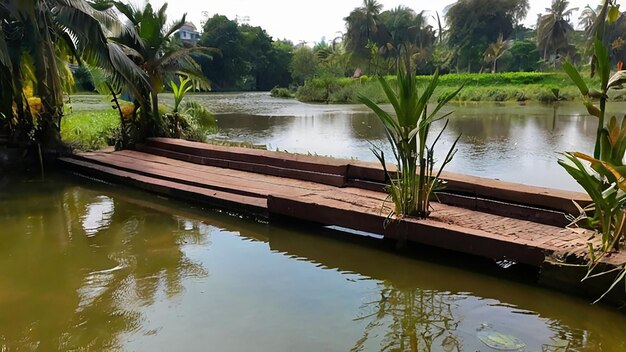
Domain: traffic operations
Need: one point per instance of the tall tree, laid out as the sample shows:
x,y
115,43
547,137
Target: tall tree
x,y
411,38
473,24
302,64
496,50
36,37
224,69
250,59
152,50
362,28
553,28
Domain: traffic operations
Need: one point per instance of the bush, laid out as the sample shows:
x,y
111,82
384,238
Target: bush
x,y
278,92
508,86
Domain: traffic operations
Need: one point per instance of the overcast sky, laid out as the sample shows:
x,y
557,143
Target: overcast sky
x,y
309,21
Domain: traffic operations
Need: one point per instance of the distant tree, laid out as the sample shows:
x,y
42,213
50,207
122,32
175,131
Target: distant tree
x,y
277,73
473,24
554,27
303,64
615,32
257,46
331,56
250,59
224,69
524,56
495,52
362,27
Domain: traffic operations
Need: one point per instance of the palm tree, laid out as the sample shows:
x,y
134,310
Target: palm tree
x,y
36,39
554,26
496,50
153,50
362,27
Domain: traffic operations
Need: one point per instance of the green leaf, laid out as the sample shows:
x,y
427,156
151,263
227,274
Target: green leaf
x,y
602,55
574,75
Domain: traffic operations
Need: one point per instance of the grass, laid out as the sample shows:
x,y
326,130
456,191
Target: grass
x,y
90,130
91,124
509,86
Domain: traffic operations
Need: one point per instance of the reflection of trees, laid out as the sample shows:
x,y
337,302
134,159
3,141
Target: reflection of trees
x,y
410,320
69,285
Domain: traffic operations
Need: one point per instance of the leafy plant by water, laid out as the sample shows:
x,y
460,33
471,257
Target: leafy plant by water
x,y
603,175
411,187
193,121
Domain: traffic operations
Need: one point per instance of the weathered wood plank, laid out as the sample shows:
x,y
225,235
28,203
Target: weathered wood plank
x,y
318,177
253,205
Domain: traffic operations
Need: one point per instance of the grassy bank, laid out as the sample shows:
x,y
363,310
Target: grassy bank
x,y
91,124
90,130
510,86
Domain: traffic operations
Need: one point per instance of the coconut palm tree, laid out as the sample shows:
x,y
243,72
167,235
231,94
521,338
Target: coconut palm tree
x,y
553,27
362,28
154,51
37,37
496,50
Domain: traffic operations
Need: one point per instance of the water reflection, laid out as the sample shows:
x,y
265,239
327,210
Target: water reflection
x,y
160,275
409,320
75,266
513,142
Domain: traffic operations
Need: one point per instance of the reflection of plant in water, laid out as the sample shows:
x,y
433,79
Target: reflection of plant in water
x,y
80,286
412,320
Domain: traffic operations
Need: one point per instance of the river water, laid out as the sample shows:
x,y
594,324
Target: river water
x,y
88,266
510,141
91,266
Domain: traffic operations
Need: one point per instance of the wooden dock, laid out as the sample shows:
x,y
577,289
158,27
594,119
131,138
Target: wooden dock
x,y
482,217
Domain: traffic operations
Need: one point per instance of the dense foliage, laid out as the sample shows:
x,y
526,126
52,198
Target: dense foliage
x,y
249,60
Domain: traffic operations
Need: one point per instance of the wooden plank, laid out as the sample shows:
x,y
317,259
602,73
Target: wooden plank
x,y
318,177
226,200
248,184
255,156
428,232
367,174
364,174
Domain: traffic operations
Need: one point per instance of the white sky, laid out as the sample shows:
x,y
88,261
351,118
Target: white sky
x,y
309,21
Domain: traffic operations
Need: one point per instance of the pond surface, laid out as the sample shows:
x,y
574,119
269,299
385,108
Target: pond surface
x,y
91,266
511,142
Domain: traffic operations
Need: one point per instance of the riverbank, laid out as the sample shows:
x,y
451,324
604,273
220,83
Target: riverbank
x,y
509,86
349,194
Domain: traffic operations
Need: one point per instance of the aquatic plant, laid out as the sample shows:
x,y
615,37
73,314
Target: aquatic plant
x,y
603,175
180,90
412,186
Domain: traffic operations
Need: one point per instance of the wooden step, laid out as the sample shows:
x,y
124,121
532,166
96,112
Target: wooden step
x,y
282,160
231,201
323,178
371,176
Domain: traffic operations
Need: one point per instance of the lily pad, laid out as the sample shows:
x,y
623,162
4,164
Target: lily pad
x,y
500,341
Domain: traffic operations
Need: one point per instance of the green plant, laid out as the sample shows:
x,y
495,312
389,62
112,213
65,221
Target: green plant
x,y
603,175
278,92
412,186
180,90
200,121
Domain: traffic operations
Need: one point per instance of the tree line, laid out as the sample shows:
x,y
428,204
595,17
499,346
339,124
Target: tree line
x,y
470,36
133,52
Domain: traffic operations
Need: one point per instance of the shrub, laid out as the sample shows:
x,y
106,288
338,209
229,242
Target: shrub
x,y
278,92
416,180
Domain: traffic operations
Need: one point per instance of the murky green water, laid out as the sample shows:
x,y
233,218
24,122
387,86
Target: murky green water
x,y
90,266
512,142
